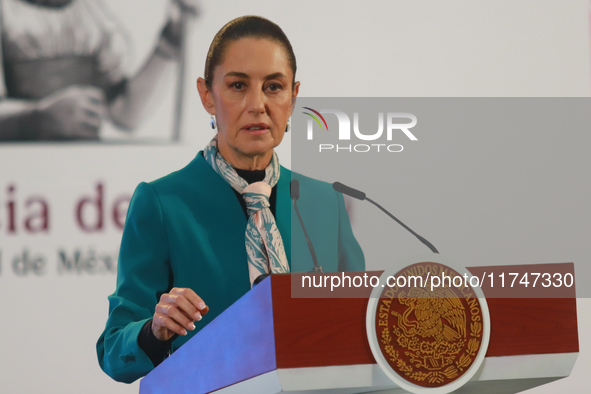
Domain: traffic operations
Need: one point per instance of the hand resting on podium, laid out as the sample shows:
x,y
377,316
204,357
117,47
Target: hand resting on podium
x,y
177,312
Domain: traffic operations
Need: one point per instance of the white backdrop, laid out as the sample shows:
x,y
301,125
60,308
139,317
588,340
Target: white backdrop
x,y
51,318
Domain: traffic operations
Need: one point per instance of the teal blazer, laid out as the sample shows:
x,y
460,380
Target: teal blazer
x,y
187,230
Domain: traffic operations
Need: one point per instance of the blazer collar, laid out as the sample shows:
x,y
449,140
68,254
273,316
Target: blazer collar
x,y
283,200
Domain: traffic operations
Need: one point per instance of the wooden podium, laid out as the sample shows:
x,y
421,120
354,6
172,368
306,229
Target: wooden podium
x,y
269,342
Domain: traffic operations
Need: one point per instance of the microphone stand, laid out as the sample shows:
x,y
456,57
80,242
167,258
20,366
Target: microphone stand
x,y
338,186
295,195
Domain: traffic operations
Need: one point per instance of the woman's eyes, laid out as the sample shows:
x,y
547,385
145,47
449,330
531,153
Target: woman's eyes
x,y
272,87
237,85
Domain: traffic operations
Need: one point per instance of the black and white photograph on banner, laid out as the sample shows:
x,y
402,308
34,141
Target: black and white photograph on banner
x,y
66,70
171,169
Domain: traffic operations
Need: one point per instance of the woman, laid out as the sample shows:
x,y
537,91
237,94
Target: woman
x,y
62,64
196,240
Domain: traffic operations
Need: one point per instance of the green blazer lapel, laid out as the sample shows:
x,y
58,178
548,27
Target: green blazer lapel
x,y
283,210
226,203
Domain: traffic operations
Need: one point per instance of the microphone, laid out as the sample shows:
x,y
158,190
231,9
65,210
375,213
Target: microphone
x,y
339,187
295,195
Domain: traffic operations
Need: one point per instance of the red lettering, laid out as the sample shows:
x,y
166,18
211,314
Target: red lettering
x,y
42,216
120,211
96,203
36,209
11,210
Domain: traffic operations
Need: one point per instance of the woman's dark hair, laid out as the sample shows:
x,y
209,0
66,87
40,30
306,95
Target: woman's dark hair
x,y
249,26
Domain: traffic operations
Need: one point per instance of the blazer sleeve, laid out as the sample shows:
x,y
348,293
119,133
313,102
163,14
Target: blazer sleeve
x,y
143,274
350,253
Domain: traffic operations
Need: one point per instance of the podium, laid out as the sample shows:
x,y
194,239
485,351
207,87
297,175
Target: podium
x,y
268,342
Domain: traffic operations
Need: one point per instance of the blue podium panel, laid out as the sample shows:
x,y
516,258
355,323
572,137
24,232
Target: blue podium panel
x,y
237,345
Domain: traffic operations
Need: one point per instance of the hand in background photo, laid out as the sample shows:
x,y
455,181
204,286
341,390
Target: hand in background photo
x,y
75,112
73,79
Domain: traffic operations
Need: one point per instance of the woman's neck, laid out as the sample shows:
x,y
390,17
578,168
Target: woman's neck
x,y
250,163
251,176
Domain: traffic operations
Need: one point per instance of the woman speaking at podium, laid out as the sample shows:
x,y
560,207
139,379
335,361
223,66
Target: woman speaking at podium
x,y
196,240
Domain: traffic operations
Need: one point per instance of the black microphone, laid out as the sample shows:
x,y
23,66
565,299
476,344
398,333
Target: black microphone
x,y
295,195
294,188
339,187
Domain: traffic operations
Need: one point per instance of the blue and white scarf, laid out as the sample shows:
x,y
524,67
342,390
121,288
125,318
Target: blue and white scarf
x,y
264,245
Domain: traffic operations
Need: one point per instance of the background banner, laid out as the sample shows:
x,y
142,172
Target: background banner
x,y
475,184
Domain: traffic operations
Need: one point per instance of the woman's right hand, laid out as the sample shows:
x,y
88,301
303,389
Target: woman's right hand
x,y
177,312
75,112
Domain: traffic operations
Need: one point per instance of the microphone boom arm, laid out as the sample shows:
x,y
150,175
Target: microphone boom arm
x,y
423,240
341,188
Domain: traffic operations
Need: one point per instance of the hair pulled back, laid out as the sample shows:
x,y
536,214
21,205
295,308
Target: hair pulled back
x,y
249,26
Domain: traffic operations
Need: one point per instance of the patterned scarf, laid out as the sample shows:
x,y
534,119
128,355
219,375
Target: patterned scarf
x,y
264,245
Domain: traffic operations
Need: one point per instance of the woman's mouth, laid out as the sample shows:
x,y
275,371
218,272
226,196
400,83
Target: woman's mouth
x,y
256,128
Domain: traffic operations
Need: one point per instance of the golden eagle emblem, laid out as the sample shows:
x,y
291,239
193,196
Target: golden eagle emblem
x,y
429,337
438,314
